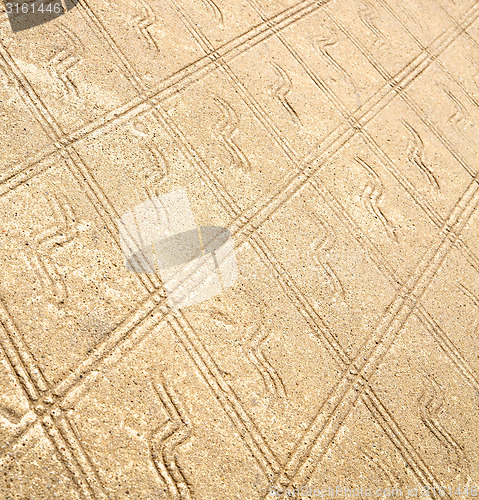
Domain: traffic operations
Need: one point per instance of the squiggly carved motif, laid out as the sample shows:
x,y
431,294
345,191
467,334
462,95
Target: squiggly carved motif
x,y
210,4
60,65
461,117
253,348
281,89
372,195
416,155
430,404
270,376
322,44
320,247
40,257
165,439
144,21
155,175
368,16
228,127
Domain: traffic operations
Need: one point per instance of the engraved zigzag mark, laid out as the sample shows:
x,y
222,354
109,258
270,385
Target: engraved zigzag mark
x,y
319,249
270,376
253,350
322,44
40,258
164,440
50,276
228,126
416,154
281,89
407,13
368,16
57,237
155,175
460,118
210,4
430,404
59,65
372,195
144,21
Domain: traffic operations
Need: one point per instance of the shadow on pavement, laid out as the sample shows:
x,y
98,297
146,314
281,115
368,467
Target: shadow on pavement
x,y
26,14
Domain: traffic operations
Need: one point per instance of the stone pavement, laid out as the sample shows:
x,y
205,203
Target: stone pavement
x,y
337,142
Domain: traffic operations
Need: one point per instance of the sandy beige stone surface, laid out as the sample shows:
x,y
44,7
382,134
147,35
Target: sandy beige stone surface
x,y
338,142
